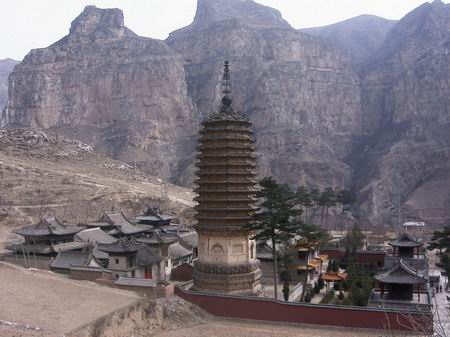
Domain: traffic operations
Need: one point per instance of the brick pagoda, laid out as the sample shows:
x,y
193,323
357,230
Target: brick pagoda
x,y
226,186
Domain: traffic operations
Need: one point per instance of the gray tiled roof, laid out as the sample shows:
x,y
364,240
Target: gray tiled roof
x,y
406,240
95,235
177,251
69,246
48,226
125,226
402,273
65,260
190,238
121,246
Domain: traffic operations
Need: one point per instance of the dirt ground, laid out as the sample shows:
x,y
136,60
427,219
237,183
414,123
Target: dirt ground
x,y
236,328
40,303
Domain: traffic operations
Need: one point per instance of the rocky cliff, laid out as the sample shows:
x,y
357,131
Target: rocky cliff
x,y
6,67
358,37
301,94
403,168
373,117
122,93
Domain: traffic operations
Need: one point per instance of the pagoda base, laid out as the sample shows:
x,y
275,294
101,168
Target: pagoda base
x,y
241,279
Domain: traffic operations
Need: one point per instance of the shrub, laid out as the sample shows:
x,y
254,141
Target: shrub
x,y
341,296
321,283
308,298
336,286
345,285
316,288
286,290
335,266
329,296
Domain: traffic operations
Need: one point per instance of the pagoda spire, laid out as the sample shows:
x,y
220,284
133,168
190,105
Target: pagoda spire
x,y
226,100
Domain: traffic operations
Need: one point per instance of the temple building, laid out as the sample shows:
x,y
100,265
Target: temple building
x,y
406,246
403,281
154,217
226,202
47,237
118,225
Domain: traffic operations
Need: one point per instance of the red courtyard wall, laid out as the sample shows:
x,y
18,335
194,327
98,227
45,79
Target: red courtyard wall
x,y
271,310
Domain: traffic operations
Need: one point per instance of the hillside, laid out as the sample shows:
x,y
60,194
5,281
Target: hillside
x,y
44,174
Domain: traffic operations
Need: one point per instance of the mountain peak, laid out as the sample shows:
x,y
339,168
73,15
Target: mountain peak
x,y
98,23
247,11
423,26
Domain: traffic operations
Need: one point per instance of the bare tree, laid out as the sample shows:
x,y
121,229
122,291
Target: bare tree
x,y
422,322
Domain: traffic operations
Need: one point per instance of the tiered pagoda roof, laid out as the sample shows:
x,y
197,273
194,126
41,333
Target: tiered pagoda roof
x,y
406,240
48,227
226,169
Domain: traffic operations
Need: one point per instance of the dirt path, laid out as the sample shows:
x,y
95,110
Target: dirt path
x,y
236,328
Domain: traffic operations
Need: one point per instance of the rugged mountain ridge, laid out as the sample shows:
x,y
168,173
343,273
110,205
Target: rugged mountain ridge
x,y
380,127
124,94
358,37
405,162
6,66
300,94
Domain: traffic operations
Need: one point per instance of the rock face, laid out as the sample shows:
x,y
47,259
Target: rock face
x,y
375,119
301,95
358,37
6,67
108,87
406,111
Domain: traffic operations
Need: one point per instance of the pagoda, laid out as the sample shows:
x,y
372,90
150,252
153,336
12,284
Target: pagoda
x,y
226,202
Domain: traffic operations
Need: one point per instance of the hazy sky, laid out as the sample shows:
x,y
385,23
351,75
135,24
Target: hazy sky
x,y
27,24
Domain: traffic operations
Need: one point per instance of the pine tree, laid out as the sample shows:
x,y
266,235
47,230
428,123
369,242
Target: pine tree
x,y
441,241
278,219
304,200
327,200
314,195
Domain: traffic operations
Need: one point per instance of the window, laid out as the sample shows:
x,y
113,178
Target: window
x,y
167,263
117,261
133,274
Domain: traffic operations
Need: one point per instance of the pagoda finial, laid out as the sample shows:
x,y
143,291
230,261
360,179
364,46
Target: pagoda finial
x,y
226,83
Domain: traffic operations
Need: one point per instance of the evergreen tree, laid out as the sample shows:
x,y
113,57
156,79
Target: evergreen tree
x,y
314,195
304,200
441,241
277,220
345,198
353,240
286,290
327,200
